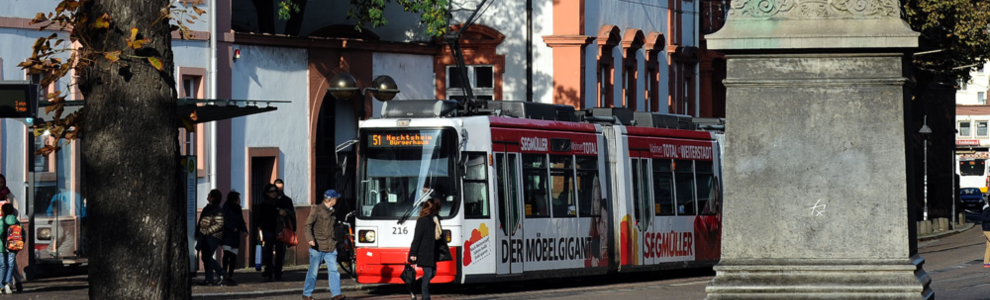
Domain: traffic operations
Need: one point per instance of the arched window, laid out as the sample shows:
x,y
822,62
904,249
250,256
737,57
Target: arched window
x,y
655,43
608,38
485,66
632,41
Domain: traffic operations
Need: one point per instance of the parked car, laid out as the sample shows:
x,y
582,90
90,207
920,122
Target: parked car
x,y
971,198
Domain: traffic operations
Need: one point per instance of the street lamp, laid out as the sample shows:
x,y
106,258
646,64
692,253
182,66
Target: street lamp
x,y
925,131
344,86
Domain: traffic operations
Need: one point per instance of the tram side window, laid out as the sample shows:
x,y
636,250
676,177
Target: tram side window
x,y
663,188
562,186
588,185
476,186
643,179
535,183
684,183
706,187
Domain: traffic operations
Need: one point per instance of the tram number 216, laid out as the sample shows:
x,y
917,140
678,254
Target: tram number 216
x,y
400,230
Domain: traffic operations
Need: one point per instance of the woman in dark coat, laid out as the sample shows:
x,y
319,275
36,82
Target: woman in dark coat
x,y
423,252
269,219
233,228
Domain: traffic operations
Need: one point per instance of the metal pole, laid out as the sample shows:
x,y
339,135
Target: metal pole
x,y
952,189
926,178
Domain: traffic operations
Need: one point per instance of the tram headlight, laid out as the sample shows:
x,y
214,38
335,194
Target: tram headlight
x,y
45,233
366,236
446,234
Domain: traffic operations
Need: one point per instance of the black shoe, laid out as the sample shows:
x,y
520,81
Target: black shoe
x,y
19,287
268,278
278,277
231,282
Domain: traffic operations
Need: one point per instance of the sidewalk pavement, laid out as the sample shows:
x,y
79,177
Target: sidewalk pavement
x,y
250,284
957,229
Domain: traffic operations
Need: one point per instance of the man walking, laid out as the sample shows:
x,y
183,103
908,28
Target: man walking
x,y
322,246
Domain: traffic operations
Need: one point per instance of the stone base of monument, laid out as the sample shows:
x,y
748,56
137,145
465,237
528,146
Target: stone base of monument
x,y
821,279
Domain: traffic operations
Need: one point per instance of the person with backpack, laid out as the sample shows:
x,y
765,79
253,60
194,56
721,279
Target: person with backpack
x,y
13,241
211,234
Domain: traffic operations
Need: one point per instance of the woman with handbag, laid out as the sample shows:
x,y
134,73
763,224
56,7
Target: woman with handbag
x,y
268,219
426,238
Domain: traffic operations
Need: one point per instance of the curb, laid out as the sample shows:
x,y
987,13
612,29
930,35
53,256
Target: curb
x,y
964,227
282,292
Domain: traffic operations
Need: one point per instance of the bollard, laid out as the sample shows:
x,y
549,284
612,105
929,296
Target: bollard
x,y
962,219
943,223
926,227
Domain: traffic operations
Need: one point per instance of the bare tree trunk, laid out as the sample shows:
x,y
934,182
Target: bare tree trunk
x,y
137,229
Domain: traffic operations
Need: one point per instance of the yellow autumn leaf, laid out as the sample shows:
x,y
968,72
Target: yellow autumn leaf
x,y
112,56
155,62
104,22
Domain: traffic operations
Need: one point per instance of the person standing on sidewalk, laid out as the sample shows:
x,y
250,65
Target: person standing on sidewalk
x,y
7,197
233,228
211,231
270,216
422,251
322,245
9,257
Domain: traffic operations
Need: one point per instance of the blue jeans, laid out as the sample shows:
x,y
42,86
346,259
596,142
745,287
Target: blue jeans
x,y
209,249
315,258
7,267
428,274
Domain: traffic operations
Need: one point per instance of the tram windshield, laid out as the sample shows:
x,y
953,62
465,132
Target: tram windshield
x,y
972,167
398,166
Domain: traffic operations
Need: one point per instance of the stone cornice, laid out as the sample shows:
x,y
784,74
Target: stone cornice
x,y
814,9
567,40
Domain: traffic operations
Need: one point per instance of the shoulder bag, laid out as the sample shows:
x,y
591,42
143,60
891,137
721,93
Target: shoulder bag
x,y
443,251
288,237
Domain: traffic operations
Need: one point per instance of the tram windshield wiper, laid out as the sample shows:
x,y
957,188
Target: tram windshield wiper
x,y
416,204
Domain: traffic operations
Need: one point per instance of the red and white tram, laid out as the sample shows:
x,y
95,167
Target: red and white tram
x,y
533,193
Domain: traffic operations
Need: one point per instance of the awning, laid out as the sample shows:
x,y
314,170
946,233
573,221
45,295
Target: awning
x,y
209,110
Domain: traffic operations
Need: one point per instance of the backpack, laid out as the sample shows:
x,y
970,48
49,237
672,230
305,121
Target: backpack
x,y
15,239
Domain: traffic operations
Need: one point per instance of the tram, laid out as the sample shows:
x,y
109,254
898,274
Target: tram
x,y
535,190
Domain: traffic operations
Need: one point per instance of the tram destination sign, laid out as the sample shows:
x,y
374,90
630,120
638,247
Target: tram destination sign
x,y
403,140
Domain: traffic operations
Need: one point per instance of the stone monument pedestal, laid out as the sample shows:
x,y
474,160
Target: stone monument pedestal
x,y
817,200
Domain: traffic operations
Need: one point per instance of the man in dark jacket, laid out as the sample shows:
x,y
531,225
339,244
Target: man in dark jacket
x,y
322,245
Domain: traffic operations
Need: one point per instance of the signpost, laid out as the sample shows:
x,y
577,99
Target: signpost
x,y
190,182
